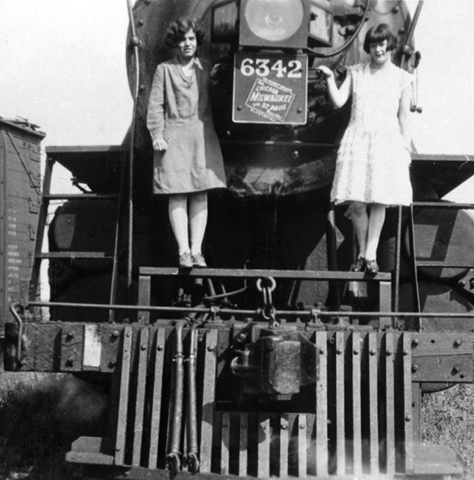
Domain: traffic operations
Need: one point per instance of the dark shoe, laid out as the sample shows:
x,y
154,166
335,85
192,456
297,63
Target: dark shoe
x,y
185,260
372,267
198,261
359,265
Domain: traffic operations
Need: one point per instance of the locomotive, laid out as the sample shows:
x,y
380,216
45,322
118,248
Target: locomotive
x,y
276,360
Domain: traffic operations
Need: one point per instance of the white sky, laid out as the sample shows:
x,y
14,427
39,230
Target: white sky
x,y
62,66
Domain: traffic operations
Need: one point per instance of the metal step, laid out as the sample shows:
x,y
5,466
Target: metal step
x,y
73,255
79,196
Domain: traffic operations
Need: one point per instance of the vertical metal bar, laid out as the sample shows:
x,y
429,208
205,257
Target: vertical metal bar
x,y
134,43
140,401
243,445
225,440
398,242
390,403
356,403
156,397
385,303
302,447
340,407
264,446
407,401
373,404
414,266
331,247
284,442
123,398
321,406
208,401
144,294
42,217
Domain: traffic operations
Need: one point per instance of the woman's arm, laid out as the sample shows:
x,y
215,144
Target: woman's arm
x,y
338,96
156,111
403,111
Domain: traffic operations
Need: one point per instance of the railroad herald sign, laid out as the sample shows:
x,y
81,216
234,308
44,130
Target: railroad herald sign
x,y
270,88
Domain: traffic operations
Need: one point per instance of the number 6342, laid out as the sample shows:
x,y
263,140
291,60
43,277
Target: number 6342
x,y
262,67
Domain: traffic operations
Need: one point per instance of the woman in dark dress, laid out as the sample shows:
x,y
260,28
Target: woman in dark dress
x,y
188,159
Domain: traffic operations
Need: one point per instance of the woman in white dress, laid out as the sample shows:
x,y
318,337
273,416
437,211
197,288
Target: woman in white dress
x,y
372,168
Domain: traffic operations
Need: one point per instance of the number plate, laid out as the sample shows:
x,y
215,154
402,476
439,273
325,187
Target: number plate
x,y
270,88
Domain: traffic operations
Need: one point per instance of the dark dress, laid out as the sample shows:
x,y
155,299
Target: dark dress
x,y
179,111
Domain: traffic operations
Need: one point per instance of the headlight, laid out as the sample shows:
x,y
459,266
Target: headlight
x,y
274,20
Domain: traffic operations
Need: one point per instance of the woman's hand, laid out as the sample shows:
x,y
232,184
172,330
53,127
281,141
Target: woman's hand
x,y
160,144
327,72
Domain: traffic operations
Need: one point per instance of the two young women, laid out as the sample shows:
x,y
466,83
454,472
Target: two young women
x,y
372,168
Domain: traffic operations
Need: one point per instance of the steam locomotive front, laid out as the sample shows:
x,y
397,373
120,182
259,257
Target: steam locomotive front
x,y
277,130
257,370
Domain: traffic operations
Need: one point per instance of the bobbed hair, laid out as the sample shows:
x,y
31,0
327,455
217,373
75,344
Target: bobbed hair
x,y
378,34
177,30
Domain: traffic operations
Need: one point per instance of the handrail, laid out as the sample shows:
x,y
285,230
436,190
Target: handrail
x,y
228,311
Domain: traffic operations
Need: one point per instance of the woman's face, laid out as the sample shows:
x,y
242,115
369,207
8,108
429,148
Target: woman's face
x,y
379,53
188,45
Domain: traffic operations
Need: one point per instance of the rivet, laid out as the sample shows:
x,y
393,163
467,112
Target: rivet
x,y
141,23
408,418
414,368
356,352
322,352
210,349
388,353
405,353
70,361
338,351
302,426
457,342
112,363
299,110
284,426
264,427
239,108
225,425
159,348
142,88
372,353
416,342
143,347
117,449
395,9
128,334
115,334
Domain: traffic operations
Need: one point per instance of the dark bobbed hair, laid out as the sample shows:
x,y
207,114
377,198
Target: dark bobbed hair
x,y
177,30
378,34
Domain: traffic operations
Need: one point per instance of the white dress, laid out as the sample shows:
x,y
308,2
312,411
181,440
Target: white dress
x,y
373,164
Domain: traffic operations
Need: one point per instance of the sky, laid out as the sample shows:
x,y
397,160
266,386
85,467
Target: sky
x,y
62,66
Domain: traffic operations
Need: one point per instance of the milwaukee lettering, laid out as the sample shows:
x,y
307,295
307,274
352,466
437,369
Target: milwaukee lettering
x,y
265,97
270,100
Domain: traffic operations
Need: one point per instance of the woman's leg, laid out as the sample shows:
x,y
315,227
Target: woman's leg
x,y
360,221
197,220
178,212
376,221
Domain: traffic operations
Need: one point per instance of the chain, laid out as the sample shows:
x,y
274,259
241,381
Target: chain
x,y
268,312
